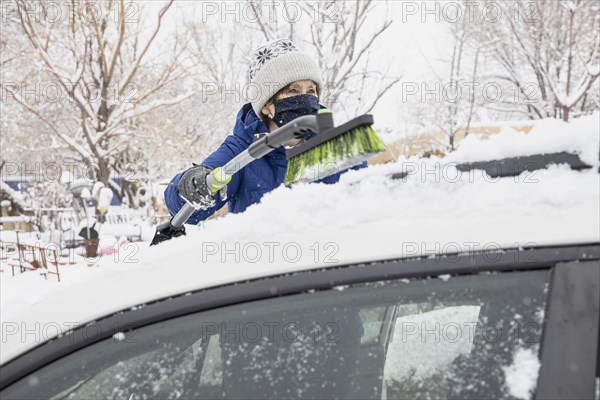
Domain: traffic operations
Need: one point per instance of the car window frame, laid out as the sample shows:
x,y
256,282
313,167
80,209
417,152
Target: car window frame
x,y
574,289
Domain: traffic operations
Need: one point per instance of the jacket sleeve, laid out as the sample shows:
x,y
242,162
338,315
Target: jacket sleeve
x,y
231,147
336,177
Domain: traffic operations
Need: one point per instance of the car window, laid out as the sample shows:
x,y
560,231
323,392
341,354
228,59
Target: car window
x,y
447,337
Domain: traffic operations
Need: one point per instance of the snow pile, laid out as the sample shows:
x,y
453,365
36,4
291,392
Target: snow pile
x,y
521,376
374,214
24,292
580,136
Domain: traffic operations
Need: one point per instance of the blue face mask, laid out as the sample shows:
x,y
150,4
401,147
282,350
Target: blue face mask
x,y
290,108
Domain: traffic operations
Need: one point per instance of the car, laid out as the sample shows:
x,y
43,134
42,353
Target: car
x,y
367,315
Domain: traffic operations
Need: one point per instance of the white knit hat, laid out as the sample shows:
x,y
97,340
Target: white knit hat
x,y
276,65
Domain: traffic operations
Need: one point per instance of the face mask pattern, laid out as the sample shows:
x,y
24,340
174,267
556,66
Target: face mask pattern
x,y
290,108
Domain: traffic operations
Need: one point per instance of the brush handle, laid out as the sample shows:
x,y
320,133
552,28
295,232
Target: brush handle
x,y
296,129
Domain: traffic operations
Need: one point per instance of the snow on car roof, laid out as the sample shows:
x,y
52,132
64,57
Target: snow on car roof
x,y
366,217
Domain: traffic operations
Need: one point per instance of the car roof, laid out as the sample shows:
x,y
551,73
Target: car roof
x,y
381,219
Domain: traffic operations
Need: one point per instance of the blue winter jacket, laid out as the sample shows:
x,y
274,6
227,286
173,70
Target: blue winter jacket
x,y
251,182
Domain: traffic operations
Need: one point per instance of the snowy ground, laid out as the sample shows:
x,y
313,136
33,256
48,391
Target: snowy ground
x,y
366,217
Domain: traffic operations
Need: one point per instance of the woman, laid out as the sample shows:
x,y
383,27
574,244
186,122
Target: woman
x,y
287,83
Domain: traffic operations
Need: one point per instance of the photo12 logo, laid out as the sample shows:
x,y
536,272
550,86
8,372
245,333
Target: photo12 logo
x,y
52,91
269,252
38,332
470,11
453,92
41,11
272,331
270,11
237,92
64,171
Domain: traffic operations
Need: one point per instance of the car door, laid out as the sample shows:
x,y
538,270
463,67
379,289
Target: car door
x,y
469,326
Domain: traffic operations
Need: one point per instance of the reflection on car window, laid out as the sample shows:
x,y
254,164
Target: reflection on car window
x,y
422,338
425,343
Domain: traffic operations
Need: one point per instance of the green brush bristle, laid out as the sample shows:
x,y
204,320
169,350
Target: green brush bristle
x,y
335,155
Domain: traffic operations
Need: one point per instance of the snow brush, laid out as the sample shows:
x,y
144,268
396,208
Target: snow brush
x,y
333,150
346,145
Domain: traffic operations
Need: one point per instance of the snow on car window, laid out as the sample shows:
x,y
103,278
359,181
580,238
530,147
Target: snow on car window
x,y
521,376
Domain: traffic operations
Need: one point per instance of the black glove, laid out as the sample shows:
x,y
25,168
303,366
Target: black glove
x,y
193,188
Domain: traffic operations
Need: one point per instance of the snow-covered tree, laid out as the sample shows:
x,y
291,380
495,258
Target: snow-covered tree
x,y
97,58
549,52
449,103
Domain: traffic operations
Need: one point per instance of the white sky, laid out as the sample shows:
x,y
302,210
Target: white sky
x,y
415,48
409,47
